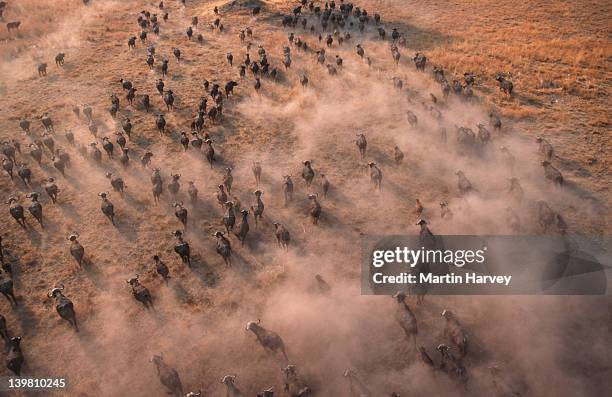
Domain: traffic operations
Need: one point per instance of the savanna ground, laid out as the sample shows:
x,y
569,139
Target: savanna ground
x,y
558,56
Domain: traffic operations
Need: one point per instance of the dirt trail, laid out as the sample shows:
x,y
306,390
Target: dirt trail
x,y
199,318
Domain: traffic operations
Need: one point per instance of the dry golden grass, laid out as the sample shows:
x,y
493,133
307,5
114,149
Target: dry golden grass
x,y
558,54
564,43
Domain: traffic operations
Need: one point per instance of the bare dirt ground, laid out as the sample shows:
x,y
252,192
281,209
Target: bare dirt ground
x,y
558,54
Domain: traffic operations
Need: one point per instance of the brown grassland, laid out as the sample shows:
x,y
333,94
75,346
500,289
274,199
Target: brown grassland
x,y
558,54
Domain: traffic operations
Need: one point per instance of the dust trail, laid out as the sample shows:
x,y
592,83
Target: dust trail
x,y
68,33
